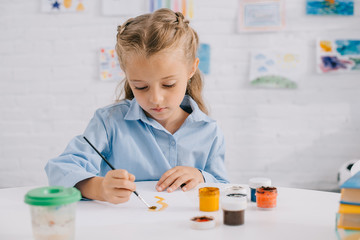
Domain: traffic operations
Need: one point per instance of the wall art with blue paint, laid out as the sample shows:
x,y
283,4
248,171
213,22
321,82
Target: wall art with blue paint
x,y
271,69
330,7
338,55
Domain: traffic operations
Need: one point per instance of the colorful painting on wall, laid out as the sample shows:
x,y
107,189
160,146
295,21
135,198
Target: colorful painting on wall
x,y
270,69
204,58
261,15
330,7
52,6
186,7
341,55
109,66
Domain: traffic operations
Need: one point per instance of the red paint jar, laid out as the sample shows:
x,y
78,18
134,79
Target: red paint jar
x,y
266,197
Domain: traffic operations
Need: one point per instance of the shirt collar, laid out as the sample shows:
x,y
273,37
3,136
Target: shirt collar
x,y
135,112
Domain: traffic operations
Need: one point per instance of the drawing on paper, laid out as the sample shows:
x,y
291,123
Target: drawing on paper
x,y
109,65
330,7
266,15
163,205
204,58
62,6
339,55
272,69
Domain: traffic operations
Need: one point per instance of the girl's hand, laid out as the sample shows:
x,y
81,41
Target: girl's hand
x,y
177,176
117,186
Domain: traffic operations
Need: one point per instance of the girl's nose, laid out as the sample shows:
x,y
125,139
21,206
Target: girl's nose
x,y
156,96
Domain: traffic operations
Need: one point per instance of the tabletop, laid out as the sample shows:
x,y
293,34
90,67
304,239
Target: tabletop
x,y
299,214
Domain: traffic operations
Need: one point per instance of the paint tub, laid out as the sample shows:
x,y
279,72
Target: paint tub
x,y
255,183
53,212
266,197
236,189
202,222
234,205
209,199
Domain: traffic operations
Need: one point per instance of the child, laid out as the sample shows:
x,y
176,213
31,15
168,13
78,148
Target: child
x,y
160,131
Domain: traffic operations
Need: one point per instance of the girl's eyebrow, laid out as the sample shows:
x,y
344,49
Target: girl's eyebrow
x,y
136,80
170,76
164,78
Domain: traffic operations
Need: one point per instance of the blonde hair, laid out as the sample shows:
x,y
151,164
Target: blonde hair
x,y
149,34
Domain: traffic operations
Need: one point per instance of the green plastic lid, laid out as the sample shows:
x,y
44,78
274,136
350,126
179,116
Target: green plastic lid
x,y
52,196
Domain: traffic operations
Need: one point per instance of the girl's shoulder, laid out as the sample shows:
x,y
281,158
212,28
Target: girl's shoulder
x,y
117,110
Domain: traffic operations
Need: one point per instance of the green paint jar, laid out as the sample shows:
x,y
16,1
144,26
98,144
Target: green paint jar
x,y
53,212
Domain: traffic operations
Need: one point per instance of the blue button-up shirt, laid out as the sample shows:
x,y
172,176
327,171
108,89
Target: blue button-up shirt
x,y
132,141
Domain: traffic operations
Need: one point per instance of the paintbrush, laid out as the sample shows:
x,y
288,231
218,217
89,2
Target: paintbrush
x,y
111,166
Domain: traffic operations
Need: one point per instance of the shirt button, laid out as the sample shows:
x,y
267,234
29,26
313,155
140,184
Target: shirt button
x,y
173,143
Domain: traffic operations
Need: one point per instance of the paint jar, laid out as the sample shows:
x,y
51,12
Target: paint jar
x,y
255,183
53,212
203,222
236,189
234,205
209,199
266,197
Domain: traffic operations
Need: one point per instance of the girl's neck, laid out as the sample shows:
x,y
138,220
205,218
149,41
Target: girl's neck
x,y
172,125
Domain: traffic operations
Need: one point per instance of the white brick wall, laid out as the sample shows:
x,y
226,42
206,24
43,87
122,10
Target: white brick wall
x,y
49,89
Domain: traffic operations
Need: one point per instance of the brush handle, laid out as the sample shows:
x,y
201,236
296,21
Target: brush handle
x,y
111,166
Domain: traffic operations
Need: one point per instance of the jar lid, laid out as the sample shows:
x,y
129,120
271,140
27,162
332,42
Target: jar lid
x,y
52,196
234,202
266,189
259,182
202,222
236,189
209,191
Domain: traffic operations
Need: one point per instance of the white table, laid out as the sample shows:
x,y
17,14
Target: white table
x,y
300,214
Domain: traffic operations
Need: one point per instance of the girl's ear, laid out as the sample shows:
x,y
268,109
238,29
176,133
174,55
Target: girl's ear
x,y
194,67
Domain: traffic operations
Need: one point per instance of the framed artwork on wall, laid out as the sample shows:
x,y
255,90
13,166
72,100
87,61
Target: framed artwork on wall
x,y
261,15
338,55
330,7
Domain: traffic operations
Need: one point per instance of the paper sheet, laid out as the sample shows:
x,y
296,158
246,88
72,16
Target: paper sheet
x,y
181,205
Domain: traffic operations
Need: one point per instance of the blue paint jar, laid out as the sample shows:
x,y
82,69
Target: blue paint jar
x,y
255,183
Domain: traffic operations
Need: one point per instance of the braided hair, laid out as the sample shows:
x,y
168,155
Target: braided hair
x,y
149,34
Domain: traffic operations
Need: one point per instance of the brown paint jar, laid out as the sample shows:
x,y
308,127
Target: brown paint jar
x,y
234,206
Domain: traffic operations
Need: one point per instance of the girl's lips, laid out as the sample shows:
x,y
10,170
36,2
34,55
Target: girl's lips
x,y
158,109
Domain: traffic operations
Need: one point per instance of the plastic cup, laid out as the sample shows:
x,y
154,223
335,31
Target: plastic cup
x,y
53,212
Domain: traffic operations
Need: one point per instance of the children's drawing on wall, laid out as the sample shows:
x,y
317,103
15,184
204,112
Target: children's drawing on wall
x,y
52,6
186,7
270,69
204,58
123,7
330,7
339,55
261,15
109,65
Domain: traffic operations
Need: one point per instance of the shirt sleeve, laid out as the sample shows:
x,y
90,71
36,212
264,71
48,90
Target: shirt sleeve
x,y
215,171
79,161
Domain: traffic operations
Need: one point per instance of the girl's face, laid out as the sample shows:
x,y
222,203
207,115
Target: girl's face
x,y
159,83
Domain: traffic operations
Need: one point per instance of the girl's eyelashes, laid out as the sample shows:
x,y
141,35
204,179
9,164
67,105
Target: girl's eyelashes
x,y
164,85
140,88
169,85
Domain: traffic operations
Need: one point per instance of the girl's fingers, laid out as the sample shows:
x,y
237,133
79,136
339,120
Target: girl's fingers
x,y
165,180
122,184
119,173
190,185
177,183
